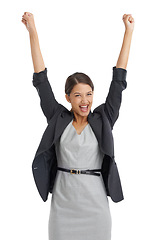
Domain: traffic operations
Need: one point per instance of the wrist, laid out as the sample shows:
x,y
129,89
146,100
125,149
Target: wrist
x,y
128,31
33,32
33,37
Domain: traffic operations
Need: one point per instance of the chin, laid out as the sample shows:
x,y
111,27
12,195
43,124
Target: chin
x,y
84,114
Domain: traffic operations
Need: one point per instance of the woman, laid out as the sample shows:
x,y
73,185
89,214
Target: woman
x,y
75,158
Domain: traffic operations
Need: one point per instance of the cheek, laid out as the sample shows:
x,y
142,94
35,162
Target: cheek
x,y
75,102
91,100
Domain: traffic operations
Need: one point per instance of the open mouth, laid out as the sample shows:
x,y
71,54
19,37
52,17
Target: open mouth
x,y
84,108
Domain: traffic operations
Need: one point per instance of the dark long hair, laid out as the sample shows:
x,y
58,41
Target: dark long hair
x,y
76,78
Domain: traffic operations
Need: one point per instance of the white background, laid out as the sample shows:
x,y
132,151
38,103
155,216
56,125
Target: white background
x,y
84,36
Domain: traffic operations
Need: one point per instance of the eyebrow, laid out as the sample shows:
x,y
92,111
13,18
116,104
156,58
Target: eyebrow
x,y
80,93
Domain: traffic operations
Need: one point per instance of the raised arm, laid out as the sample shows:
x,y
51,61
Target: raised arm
x,y
38,63
40,79
124,53
118,84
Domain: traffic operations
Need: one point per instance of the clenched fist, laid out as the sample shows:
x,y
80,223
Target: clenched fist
x,y
128,21
28,21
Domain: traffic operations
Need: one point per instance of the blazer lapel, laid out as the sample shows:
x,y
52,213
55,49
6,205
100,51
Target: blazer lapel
x,y
63,120
102,131
54,129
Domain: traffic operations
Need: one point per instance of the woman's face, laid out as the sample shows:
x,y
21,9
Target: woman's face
x,y
81,98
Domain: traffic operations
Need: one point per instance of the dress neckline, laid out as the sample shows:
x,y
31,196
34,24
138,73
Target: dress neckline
x,y
82,130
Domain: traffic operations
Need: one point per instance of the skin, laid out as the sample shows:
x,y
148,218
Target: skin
x,y
28,21
80,118
124,53
81,95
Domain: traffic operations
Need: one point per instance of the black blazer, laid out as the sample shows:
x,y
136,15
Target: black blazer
x,y
101,120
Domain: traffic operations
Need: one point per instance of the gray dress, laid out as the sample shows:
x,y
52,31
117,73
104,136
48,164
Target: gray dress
x,y
79,206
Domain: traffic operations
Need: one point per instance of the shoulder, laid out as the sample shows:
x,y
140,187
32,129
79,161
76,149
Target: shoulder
x,y
62,112
100,115
98,112
99,108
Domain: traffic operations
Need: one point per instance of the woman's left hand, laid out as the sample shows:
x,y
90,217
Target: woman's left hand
x,y
128,21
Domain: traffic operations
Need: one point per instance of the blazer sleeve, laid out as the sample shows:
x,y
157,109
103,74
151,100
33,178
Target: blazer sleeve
x,y
48,102
114,97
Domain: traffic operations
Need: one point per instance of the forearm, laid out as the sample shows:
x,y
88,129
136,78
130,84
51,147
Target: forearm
x,y
114,97
124,53
37,58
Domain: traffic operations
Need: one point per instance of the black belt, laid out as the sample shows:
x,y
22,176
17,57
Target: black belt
x,y
75,171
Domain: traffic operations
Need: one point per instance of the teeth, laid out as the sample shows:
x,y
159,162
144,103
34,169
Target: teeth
x,y
83,106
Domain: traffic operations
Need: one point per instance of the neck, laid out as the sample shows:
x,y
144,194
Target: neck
x,y
80,119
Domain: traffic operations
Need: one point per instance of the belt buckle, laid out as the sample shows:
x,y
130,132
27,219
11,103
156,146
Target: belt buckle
x,y
74,171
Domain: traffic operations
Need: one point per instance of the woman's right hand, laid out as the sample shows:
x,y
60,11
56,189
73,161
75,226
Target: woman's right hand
x,y
28,20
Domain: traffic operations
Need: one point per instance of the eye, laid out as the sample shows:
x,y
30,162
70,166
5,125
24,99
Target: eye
x,y
77,95
89,94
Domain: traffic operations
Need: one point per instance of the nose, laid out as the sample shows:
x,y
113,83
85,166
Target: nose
x,y
84,100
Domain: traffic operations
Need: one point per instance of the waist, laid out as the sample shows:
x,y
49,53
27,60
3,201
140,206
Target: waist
x,y
80,171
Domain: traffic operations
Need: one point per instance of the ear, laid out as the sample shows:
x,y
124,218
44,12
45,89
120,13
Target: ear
x,y
67,98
